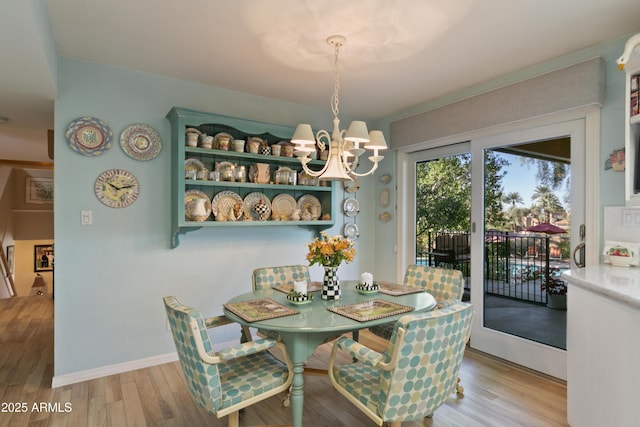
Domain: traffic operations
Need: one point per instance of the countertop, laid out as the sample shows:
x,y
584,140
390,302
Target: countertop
x,y
620,284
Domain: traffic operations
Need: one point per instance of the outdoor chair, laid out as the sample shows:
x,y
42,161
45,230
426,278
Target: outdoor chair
x,y
445,285
417,372
223,383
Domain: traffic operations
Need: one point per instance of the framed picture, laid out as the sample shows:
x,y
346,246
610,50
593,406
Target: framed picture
x,y
39,190
43,258
10,258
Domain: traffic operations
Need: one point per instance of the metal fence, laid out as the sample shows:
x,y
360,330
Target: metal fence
x,y
515,265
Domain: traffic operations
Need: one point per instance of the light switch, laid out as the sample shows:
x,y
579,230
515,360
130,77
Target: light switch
x,y
86,217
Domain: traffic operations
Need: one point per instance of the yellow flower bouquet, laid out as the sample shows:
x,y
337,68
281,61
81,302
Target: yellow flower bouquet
x,y
330,251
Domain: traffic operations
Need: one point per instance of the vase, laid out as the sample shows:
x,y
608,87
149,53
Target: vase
x,y
331,285
558,302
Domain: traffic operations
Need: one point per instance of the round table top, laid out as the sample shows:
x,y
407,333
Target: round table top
x,y
315,316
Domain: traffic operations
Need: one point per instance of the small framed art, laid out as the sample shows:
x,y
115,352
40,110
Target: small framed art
x,y
39,190
42,258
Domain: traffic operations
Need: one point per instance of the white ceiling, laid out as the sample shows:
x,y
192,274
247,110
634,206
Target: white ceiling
x,y
276,48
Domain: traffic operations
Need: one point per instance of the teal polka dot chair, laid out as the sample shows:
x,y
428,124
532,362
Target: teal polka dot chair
x,y
446,286
236,377
417,372
267,277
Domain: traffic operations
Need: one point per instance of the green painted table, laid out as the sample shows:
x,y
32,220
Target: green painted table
x,y
302,333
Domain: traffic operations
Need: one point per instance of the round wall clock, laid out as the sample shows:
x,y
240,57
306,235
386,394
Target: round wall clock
x,y
117,188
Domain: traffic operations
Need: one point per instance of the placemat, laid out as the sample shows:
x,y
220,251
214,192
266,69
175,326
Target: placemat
x,y
396,289
311,287
370,310
259,309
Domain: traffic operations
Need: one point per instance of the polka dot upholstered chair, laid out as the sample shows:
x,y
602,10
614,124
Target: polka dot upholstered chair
x,y
235,377
267,277
417,372
446,286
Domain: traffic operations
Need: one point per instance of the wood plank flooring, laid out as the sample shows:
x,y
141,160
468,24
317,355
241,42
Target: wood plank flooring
x,y
496,393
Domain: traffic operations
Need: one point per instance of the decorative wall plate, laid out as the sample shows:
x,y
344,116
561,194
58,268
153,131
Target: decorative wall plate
x,y
140,141
385,178
116,188
282,206
89,136
385,217
351,231
311,204
197,206
351,207
223,202
251,199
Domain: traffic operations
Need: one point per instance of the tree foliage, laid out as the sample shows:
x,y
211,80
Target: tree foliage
x,y
443,193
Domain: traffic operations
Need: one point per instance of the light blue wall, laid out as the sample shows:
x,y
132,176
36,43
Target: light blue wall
x,y
110,276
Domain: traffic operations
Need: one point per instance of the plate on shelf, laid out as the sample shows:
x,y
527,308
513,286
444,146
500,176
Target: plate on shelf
x,y
222,135
251,199
197,206
351,207
194,165
351,231
89,136
310,203
282,206
140,141
223,202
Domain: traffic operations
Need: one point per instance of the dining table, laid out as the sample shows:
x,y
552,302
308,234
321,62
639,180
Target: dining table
x,y
315,324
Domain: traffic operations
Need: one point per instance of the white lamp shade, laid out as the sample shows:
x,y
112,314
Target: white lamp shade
x,y
357,132
376,141
303,135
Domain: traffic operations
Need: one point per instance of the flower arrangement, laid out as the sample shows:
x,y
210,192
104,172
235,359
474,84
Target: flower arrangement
x,y
555,287
330,251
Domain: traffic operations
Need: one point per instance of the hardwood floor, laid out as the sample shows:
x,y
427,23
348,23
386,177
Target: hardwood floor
x,y
496,393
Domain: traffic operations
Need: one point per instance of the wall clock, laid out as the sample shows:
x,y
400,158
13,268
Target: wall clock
x,y
117,188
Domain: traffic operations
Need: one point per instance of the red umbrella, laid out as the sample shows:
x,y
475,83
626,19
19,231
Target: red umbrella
x,y
546,227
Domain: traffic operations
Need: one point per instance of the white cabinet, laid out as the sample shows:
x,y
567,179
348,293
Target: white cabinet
x,y
632,129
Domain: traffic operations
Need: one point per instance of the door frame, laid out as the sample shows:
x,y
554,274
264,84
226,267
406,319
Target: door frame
x,y
406,160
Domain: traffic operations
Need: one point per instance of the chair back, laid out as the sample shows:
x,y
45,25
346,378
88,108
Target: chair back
x,y
267,277
203,379
429,348
443,283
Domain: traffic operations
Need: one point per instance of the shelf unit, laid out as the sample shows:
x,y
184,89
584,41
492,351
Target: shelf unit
x,y
181,119
632,130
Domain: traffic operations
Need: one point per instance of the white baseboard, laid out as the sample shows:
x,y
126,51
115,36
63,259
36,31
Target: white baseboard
x,y
105,371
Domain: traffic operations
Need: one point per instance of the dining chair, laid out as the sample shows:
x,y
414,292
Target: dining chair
x,y
225,382
444,284
267,277
415,374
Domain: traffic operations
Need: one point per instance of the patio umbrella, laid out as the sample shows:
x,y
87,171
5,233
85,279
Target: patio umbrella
x,y
546,227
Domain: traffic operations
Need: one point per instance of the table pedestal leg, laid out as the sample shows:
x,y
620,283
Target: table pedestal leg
x,y
297,394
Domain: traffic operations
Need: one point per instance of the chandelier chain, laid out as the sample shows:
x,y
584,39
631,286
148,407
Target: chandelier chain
x,y
336,87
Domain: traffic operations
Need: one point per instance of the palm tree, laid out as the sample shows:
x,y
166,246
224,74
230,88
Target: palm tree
x,y
514,198
547,201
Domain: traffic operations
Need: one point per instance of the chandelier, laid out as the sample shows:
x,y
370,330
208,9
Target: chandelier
x,y
344,146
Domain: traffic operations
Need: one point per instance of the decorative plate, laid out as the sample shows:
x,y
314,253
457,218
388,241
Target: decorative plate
x,y
89,136
197,206
385,179
140,141
117,188
282,206
385,217
621,253
310,203
350,231
351,207
223,203
194,165
251,199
